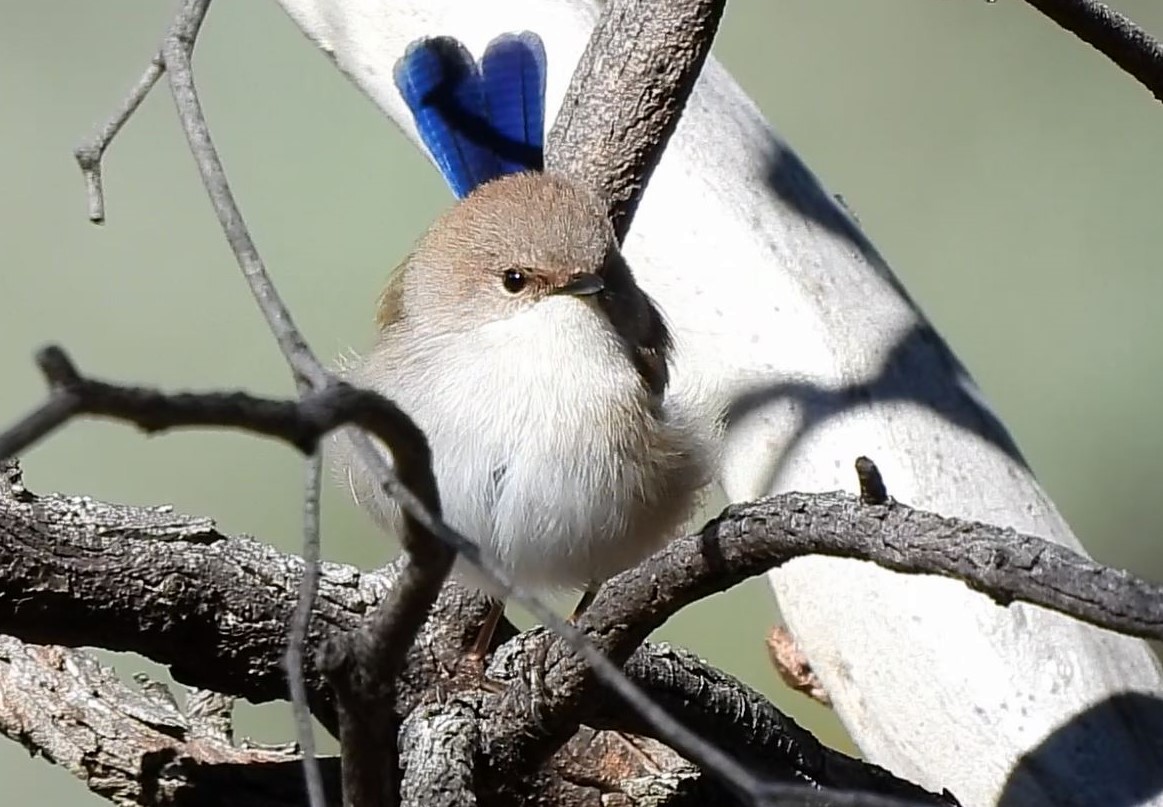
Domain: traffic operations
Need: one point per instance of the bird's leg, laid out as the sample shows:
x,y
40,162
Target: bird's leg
x,y
587,597
480,648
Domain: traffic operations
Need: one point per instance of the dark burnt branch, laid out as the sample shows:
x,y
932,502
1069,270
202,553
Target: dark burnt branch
x,y
136,746
363,666
749,539
301,424
771,742
428,542
1113,34
74,571
364,663
615,123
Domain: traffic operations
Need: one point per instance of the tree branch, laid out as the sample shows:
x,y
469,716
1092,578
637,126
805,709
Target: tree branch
x,y
79,572
770,741
128,747
362,666
749,539
134,748
1113,34
614,124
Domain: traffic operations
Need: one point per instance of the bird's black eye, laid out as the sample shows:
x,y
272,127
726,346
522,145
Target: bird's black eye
x,y
514,280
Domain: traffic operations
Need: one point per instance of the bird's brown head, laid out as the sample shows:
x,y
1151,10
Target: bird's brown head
x,y
520,241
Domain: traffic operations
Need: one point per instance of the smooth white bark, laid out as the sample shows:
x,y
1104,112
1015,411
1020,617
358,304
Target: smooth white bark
x,y
775,297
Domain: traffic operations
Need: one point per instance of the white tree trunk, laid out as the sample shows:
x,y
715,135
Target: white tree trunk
x,y
788,317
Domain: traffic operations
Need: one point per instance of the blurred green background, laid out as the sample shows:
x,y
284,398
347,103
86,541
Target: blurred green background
x,y
1011,176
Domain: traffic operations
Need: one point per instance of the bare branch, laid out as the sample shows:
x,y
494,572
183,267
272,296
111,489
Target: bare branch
x,y
126,746
745,541
748,539
428,541
717,705
300,629
363,666
614,124
76,571
1113,34
91,152
440,745
364,663
136,748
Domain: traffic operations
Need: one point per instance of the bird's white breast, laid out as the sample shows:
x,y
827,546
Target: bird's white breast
x,y
544,444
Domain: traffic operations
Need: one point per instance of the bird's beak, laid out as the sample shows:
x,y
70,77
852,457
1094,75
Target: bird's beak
x,y
582,284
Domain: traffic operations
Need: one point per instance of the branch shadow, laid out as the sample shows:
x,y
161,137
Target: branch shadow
x,y
907,371
1077,764
902,377
798,188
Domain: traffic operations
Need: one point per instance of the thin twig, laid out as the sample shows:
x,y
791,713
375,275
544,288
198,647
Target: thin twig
x,y
91,152
177,50
1115,35
300,627
309,373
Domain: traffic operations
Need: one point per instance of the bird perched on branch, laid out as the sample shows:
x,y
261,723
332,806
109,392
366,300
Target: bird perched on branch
x,y
516,338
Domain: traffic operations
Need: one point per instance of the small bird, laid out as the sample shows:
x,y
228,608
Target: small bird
x,y
515,336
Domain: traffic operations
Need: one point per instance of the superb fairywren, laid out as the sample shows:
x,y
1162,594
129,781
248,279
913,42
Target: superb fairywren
x,y
516,338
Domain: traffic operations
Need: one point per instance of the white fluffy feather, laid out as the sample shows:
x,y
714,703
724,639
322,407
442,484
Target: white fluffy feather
x,y
545,448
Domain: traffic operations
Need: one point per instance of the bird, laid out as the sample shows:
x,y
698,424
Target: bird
x,y
515,336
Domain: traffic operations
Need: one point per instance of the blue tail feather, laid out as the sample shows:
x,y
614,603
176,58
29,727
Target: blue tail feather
x,y
478,123
513,79
441,85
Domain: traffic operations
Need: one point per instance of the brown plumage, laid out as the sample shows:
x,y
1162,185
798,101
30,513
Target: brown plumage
x,y
551,229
